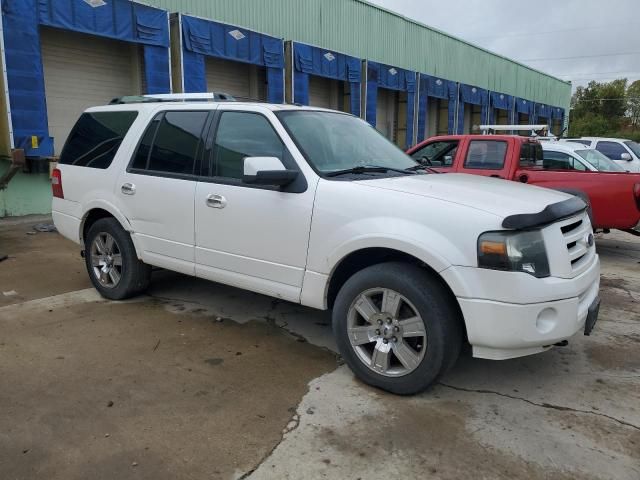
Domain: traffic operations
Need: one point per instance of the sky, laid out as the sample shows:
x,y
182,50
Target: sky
x,y
576,40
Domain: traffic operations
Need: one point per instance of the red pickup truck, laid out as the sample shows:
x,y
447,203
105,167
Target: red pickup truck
x,y
614,198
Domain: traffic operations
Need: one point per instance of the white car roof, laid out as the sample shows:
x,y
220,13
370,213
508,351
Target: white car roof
x,y
161,106
606,139
565,146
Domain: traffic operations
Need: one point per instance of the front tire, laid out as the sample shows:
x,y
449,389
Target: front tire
x,y
112,262
397,327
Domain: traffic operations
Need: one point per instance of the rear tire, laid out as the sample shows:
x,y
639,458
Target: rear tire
x,y
112,261
397,327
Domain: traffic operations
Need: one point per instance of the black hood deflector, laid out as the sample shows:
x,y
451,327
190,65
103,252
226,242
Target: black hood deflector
x,y
552,213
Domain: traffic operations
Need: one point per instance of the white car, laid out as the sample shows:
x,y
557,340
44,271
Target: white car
x,y
316,207
577,156
625,153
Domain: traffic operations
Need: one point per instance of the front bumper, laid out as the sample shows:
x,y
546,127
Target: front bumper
x,y
501,329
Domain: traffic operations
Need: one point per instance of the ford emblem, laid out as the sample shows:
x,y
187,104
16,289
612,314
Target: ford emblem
x,y
590,240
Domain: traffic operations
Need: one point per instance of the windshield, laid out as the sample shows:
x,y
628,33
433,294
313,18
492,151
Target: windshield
x,y
601,162
333,142
634,147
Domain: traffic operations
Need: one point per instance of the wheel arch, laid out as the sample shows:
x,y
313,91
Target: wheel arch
x,y
362,258
100,209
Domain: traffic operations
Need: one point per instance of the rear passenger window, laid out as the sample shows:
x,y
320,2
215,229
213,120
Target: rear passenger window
x,y
95,139
241,135
486,155
171,143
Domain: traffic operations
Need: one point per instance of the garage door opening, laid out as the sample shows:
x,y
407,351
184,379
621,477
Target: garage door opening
x,y
502,117
391,115
241,80
472,118
523,119
329,93
82,71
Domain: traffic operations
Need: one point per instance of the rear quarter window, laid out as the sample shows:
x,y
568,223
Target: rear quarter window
x,y
95,139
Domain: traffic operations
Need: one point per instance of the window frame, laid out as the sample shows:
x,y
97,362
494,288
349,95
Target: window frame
x,y
198,161
468,150
300,185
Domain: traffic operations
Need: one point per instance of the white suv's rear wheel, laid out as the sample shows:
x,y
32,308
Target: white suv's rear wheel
x,y
112,262
397,327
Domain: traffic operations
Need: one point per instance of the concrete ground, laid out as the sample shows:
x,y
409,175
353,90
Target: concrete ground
x,y
198,380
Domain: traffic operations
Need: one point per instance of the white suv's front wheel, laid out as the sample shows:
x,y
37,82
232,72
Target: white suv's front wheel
x,y
397,327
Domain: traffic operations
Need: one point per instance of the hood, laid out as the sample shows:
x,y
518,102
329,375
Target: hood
x,y
491,195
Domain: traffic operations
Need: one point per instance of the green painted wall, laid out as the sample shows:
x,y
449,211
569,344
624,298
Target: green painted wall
x,y
26,194
367,31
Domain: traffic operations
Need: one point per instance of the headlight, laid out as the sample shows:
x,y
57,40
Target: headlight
x,y
514,252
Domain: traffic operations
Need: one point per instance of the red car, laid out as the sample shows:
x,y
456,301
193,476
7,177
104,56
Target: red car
x,y
614,198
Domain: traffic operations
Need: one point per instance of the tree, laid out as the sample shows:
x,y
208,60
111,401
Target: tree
x,y
599,108
633,99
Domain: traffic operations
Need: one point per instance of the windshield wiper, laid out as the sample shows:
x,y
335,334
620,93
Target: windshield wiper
x,y
419,167
367,169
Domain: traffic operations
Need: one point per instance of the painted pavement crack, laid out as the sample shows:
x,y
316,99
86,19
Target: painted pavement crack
x,y
542,405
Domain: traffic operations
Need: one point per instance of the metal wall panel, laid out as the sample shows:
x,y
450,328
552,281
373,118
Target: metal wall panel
x,y
367,31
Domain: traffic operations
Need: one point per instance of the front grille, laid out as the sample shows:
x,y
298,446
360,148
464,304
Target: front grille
x,y
576,236
571,227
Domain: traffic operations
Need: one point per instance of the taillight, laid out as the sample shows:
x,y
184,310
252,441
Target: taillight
x,y
56,184
636,193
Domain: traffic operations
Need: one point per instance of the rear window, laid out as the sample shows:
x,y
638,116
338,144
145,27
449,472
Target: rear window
x,y
95,139
531,155
486,154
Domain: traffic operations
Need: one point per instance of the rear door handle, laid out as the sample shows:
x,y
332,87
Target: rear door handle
x,y
128,189
216,201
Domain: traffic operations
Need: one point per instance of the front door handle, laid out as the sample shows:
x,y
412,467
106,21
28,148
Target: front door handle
x,y
128,189
216,201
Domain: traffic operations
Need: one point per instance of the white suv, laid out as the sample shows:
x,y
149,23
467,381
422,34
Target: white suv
x,y
316,207
625,153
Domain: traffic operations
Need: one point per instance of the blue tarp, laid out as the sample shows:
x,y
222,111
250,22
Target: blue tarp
x,y
117,19
543,111
524,106
391,78
202,38
473,96
499,101
310,60
557,113
438,88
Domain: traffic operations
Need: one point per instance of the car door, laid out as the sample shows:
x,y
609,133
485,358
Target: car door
x,y
486,157
253,237
158,187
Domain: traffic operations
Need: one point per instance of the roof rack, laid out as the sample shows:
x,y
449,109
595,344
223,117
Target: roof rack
x,y
174,97
534,130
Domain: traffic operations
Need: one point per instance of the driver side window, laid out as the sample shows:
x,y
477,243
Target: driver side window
x,y
437,154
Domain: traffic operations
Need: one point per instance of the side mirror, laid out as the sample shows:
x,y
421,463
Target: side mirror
x,y
625,156
267,171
